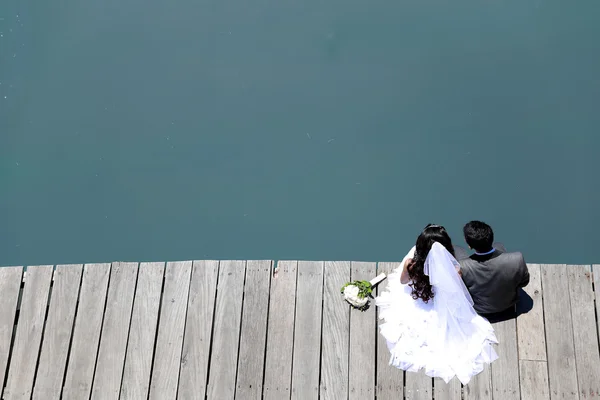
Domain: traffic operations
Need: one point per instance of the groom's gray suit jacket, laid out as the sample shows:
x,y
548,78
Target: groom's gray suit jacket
x,y
494,280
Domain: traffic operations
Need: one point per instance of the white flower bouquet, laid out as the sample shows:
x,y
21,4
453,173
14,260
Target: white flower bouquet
x,y
357,293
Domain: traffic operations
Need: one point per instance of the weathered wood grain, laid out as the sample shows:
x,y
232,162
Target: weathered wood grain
x,y
390,380
362,340
280,332
196,342
418,386
505,370
563,319
447,391
530,326
86,334
142,332
169,341
562,371
10,286
336,332
57,336
534,380
115,331
307,331
226,337
480,386
28,336
585,334
253,337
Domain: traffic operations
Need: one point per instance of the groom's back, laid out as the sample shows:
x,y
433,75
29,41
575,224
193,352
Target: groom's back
x,y
493,280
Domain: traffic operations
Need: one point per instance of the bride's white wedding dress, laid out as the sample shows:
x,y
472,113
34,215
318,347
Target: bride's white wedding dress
x,y
445,336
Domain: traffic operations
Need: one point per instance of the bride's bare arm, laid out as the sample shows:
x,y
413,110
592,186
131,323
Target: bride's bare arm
x,y
404,278
457,267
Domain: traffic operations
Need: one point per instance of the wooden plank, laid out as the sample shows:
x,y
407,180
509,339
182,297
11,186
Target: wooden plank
x,y
226,337
530,325
447,391
336,332
585,334
280,332
534,380
86,334
361,370
198,328
57,336
28,336
142,332
559,332
418,386
307,331
480,386
10,286
390,380
169,341
505,370
253,338
115,331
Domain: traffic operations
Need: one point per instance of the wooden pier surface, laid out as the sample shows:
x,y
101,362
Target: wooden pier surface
x,y
234,330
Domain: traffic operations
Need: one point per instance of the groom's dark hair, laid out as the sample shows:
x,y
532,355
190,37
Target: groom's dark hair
x,y
479,236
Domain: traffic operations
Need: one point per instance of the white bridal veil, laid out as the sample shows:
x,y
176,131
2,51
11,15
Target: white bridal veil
x,y
462,336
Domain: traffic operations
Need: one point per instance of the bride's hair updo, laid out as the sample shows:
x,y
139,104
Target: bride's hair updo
x,y
421,288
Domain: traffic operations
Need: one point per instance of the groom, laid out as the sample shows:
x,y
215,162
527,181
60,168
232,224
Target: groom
x,y
492,275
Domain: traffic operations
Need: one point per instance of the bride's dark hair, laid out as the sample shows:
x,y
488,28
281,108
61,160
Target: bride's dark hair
x,y
421,288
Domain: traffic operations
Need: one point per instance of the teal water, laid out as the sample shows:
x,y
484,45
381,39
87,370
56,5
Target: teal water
x,y
168,130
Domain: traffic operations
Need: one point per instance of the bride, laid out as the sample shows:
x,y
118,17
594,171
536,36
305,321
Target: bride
x,y
429,318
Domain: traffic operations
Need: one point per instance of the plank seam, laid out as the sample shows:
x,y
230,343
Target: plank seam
x,y
160,302
596,301
12,336
518,369
237,363
72,331
492,382
39,352
101,330
572,330
517,342
349,340
294,332
376,332
187,301
545,333
596,305
321,333
137,274
212,331
271,276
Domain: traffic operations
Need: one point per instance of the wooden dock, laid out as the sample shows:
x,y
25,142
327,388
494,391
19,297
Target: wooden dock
x,y
233,330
